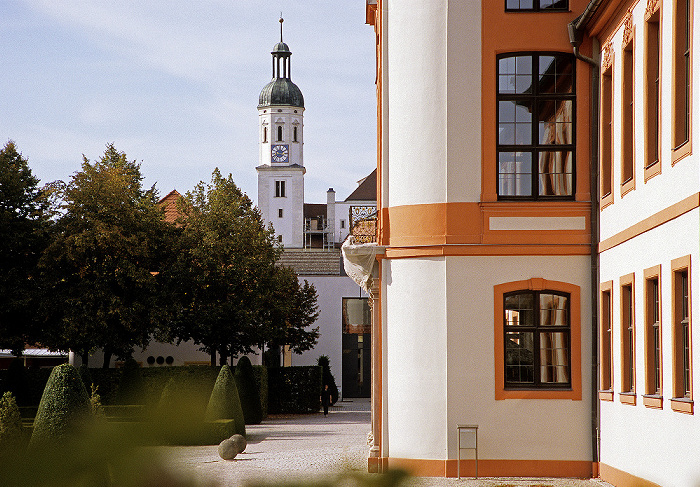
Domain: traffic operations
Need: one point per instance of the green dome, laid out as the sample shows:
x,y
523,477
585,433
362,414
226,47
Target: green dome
x,y
281,91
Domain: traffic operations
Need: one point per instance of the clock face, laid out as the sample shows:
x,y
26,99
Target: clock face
x,y
280,153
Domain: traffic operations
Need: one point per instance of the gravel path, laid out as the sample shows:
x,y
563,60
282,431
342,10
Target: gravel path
x,y
307,448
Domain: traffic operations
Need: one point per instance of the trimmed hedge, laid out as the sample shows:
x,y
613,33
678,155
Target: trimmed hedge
x,y
248,391
296,389
64,405
224,402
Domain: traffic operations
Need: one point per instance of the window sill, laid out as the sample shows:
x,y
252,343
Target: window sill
x,y
627,186
682,405
628,398
681,152
606,200
606,395
653,401
651,171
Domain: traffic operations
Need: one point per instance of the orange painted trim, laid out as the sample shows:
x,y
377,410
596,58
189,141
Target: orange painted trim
x,y
495,468
605,395
461,223
628,398
501,393
653,402
620,478
485,250
682,406
656,220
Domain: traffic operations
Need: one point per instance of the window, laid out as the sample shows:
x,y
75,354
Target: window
x,y
652,337
264,134
681,72
279,133
682,336
536,98
652,85
280,189
536,331
280,213
536,5
295,134
537,340
606,137
627,154
279,238
606,358
342,223
627,337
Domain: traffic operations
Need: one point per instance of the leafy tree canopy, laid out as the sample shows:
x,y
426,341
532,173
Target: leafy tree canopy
x,y
98,269
24,228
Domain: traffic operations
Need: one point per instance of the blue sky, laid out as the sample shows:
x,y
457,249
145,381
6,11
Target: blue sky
x,y
175,85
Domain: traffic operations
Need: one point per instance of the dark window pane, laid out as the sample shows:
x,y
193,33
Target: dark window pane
x,y
556,124
556,173
514,123
555,74
520,310
515,74
515,173
554,4
554,357
520,361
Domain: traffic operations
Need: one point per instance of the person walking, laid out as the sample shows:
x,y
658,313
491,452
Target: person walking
x,y
326,399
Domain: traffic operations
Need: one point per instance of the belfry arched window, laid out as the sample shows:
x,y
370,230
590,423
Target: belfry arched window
x,y
279,133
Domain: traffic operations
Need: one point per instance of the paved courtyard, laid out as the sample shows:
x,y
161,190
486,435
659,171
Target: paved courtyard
x,y
307,448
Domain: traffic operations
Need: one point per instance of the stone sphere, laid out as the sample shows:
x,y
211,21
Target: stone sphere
x,y
240,442
228,449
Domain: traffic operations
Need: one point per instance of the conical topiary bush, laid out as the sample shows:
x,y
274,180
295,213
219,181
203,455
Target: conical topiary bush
x,y
64,406
10,423
224,402
248,391
328,378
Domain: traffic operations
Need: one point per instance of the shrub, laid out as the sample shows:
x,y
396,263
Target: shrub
x,y
248,391
86,377
224,402
328,378
10,423
64,405
295,390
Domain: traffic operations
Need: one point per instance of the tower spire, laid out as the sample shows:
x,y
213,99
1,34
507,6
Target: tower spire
x,y
281,22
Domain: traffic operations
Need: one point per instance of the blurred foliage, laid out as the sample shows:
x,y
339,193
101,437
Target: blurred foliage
x,y
294,390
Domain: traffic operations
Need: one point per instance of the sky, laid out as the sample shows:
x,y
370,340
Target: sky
x,y
174,84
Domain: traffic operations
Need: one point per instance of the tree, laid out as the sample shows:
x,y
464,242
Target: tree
x,y
223,261
97,273
24,228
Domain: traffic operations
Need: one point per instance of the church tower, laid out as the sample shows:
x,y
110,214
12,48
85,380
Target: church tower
x,y
281,142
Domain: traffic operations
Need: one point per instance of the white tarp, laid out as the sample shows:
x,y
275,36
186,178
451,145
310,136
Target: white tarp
x,y
358,260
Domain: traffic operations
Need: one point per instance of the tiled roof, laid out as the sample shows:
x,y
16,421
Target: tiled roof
x,y
169,202
367,189
310,262
312,210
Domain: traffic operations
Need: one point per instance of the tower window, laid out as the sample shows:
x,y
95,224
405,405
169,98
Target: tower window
x,y
295,135
280,213
280,189
342,223
279,133
264,134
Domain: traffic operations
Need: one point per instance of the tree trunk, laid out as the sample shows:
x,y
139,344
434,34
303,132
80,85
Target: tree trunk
x,y
107,359
84,356
212,357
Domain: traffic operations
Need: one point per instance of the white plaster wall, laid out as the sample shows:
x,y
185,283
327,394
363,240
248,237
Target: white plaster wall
x,y
464,95
290,226
415,358
417,95
658,445
331,291
518,429
654,195
290,116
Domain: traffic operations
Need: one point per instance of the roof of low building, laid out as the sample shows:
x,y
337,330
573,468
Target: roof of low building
x,y
367,189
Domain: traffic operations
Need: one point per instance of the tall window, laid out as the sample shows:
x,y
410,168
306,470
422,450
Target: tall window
x,y
653,336
264,134
296,132
627,155
627,337
682,362
606,136
681,69
279,133
606,376
280,189
536,5
652,84
537,339
536,98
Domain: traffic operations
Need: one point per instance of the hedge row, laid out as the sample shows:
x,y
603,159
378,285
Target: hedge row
x,y
296,389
